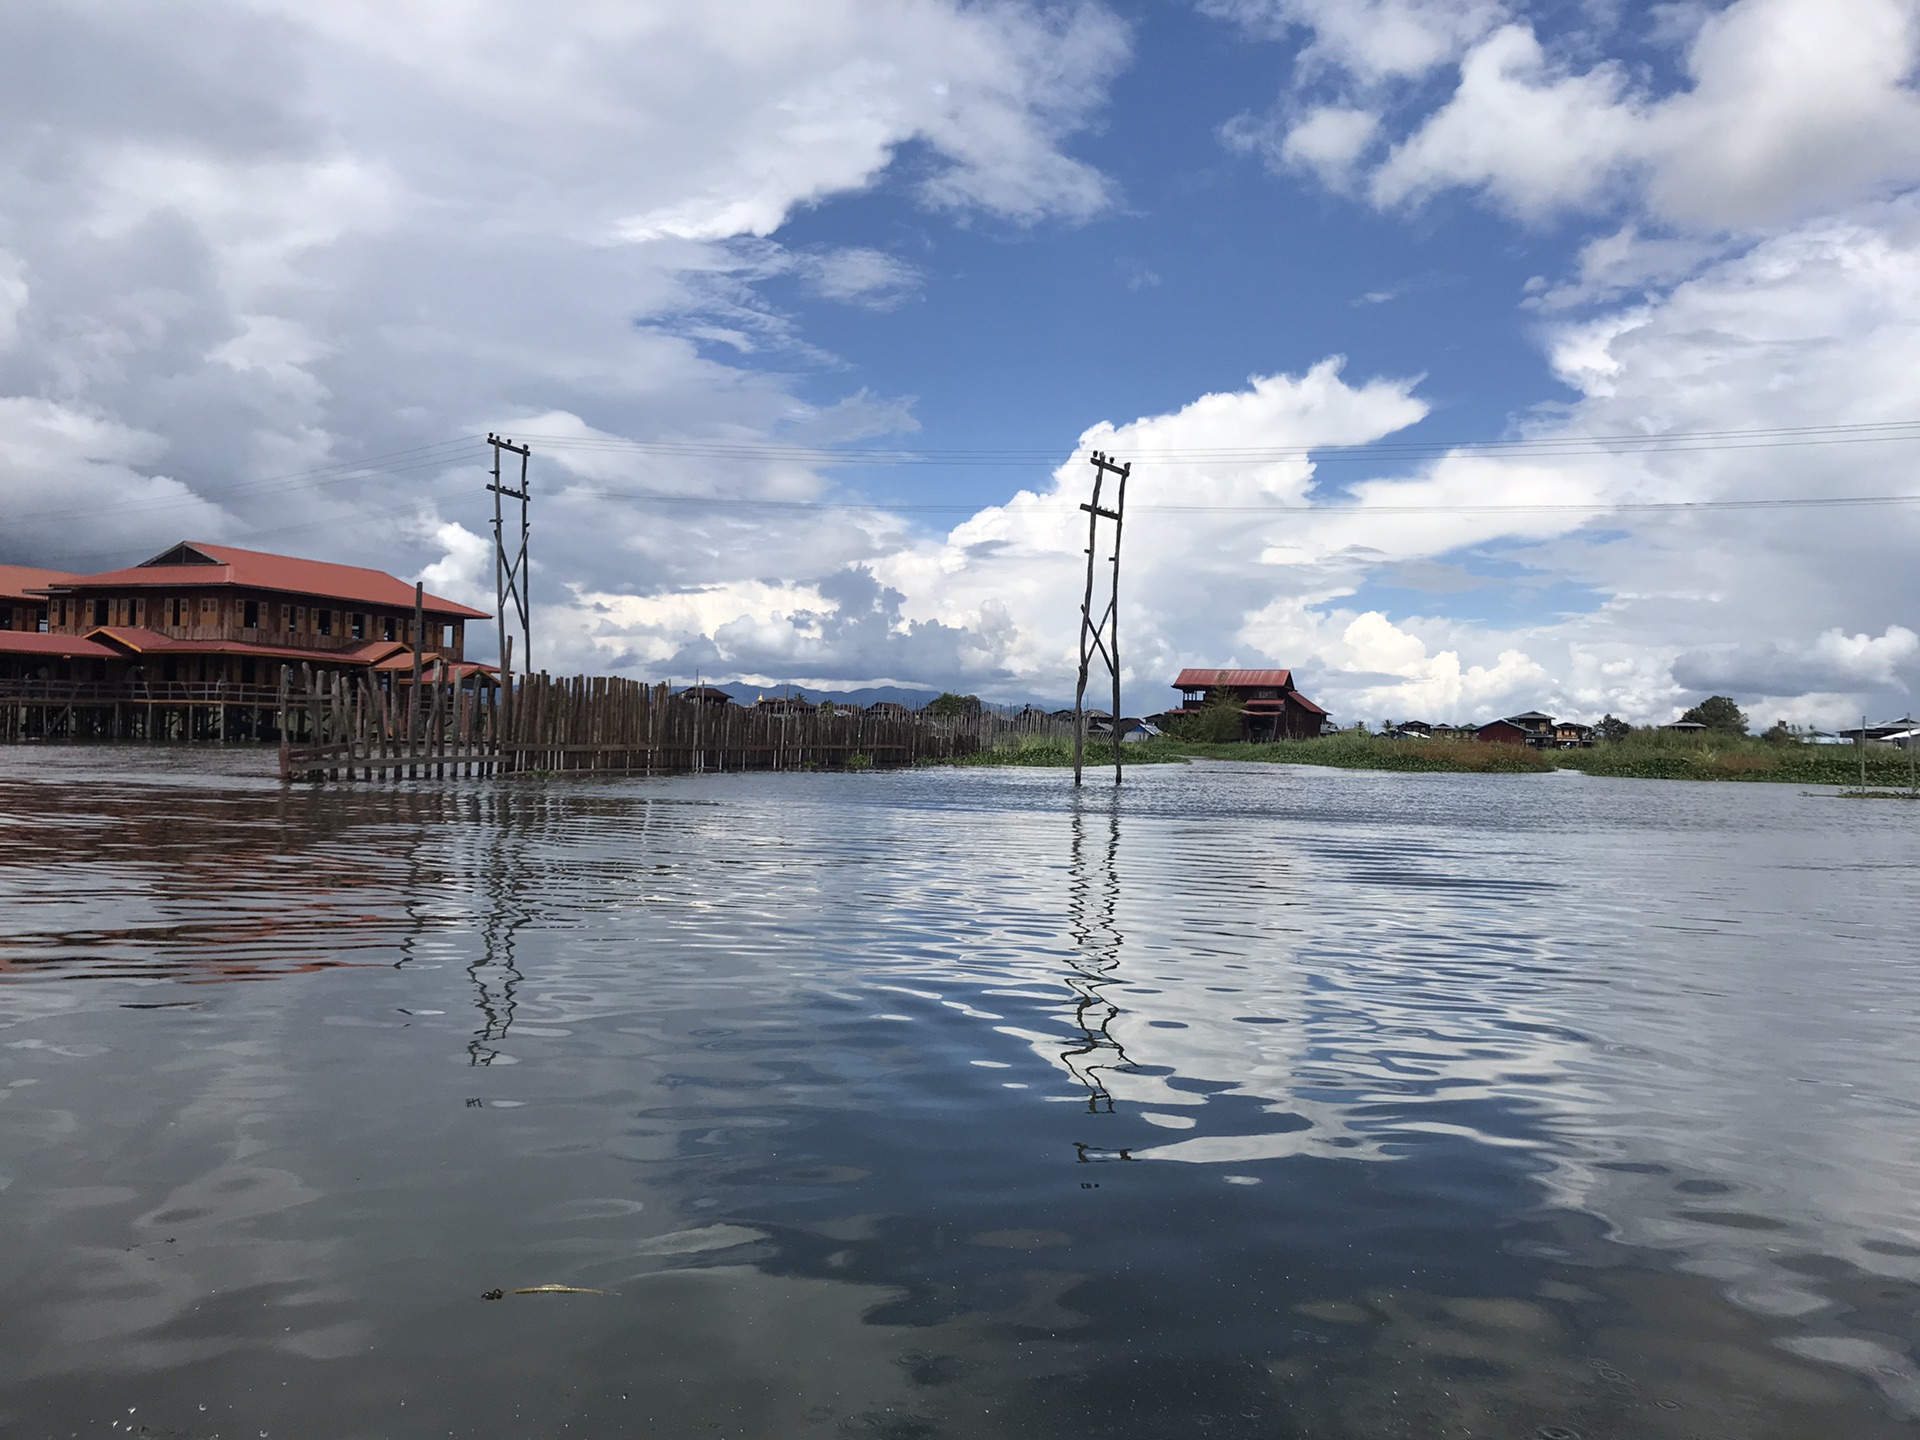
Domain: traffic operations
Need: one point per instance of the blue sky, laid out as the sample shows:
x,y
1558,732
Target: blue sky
x,y
267,272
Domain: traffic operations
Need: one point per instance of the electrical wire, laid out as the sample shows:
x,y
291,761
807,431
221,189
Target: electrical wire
x,y
1545,507
1681,441
443,453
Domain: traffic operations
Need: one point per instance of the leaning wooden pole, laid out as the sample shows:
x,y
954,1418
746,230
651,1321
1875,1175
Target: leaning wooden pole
x,y
1086,624
1103,634
1113,610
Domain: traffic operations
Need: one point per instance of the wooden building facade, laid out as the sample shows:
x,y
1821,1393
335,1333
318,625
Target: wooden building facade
x,y
191,643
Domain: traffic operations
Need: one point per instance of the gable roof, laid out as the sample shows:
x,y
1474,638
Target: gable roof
x,y
17,580
138,640
66,647
192,563
1262,679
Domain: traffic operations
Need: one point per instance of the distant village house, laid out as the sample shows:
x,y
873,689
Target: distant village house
x,y
1270,707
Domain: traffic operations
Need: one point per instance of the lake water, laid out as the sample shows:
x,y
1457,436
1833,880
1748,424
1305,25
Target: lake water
x,y
1249,1101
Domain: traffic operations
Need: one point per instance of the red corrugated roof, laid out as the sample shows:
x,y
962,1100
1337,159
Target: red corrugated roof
x,y
65,647
141,641
254,569
401,664
17,580
1259,679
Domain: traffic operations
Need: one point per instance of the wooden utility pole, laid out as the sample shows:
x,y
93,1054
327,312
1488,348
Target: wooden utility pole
x,y
1102,636
413,700
510,570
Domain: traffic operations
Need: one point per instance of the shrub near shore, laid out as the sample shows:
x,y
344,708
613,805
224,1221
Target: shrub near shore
x,y
1349,751
1662,755
1643,755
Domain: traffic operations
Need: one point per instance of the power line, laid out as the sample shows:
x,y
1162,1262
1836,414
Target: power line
x,y
1545,507
330,522
446,452
453,450
1674,441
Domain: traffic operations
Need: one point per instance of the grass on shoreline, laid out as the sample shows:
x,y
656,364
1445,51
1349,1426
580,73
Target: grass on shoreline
x,y
1037,753
1647,755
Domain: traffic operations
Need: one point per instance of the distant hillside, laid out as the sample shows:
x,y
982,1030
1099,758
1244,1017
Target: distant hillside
x,y
870,695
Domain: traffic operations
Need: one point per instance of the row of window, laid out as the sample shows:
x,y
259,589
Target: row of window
x,y
182,613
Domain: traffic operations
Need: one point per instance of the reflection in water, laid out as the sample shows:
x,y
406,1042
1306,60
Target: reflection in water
x,y
1093,904
494,974
1626,1152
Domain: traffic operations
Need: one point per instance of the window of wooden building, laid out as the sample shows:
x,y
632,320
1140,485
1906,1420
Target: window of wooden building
x,y
102,613
358,627
289,620
209,610
250,614
389,628
323,621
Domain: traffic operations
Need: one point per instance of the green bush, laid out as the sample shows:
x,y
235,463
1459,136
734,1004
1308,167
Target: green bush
x,y
1356,750
1218,722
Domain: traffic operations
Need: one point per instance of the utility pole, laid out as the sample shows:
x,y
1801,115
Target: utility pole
x,y
1102,636
510,571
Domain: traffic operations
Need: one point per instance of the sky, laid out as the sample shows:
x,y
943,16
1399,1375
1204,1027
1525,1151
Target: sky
x,y
1472,356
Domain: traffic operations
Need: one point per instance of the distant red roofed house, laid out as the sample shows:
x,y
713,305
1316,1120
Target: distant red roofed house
x,y
1531,727
207,614
1270,707
1501,732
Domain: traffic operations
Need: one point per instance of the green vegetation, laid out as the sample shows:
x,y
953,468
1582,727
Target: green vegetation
x,y
1351,750
1640,754
1664,755
949,706
1041,752
1719,714
1215,723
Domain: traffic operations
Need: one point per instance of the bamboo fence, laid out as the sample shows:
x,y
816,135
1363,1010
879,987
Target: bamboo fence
x,y
340,728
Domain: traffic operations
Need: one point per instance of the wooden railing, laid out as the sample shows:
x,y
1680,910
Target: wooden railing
x,y
138,692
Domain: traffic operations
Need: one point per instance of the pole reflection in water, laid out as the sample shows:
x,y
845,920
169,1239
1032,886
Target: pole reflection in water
x,y
494,974
1093,923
